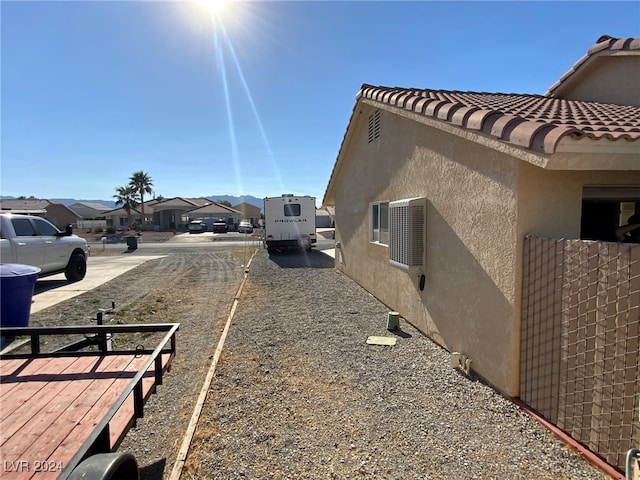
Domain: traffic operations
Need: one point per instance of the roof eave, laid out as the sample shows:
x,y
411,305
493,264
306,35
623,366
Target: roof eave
x,y
329,195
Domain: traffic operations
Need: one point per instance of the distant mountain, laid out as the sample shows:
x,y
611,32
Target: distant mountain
x,y
255,201
233,200
71,201
67,201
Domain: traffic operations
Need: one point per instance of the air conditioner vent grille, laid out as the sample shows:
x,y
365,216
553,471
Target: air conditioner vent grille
x,y
407,233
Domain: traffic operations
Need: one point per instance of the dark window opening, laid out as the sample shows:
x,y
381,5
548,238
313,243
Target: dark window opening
x,y
291,209
602,218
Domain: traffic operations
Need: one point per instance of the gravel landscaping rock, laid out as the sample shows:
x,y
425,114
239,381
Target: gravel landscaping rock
x,y
298,392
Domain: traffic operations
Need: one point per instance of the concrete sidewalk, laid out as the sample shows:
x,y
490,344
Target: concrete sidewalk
x,y
52,290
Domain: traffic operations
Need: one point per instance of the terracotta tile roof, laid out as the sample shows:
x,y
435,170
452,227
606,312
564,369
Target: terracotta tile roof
x,y
534,122
604,45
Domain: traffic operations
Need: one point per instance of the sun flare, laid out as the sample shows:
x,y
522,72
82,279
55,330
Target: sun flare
x,y
214,7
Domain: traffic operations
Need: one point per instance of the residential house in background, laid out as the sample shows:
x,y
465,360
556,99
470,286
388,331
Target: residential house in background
x,y
324,217
174,214
214,211
149,218
171,213
249,212
118,218
449,204
57,213
90,210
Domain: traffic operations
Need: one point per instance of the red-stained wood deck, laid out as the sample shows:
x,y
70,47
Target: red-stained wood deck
x,y
50,406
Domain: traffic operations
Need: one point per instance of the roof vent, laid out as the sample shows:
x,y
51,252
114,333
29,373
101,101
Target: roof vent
x,y
374,126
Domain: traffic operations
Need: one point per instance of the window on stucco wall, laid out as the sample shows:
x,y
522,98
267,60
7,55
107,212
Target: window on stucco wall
x,y
605,209
379,223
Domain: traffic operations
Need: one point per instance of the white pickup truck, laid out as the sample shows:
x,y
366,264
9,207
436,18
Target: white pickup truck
x,y
32,240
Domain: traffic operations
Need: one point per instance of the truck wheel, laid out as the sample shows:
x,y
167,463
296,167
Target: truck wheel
x,y
107,466
76,268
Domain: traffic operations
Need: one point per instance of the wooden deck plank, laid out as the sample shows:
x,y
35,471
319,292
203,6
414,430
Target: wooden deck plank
x,y
63,400
35,442
79,399
85,425
32,396
21,371
122,419
8,367
36,415
13,450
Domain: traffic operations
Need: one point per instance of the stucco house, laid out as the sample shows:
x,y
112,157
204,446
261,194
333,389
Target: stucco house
x,y
324,217
440,197
171,213
118,218
57,213
213,211
90,210
249,212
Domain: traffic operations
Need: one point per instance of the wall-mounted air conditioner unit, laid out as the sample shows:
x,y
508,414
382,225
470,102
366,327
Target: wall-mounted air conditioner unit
x,y
407,234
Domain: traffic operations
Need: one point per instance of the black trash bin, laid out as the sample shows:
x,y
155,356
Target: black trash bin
x,y
132,243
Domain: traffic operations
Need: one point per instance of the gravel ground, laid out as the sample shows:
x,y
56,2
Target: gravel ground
x,y
298,393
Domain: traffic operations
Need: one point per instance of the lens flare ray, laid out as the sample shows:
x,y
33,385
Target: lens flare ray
x,y
225,52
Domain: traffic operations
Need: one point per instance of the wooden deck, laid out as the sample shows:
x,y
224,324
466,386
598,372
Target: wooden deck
x,y
51,406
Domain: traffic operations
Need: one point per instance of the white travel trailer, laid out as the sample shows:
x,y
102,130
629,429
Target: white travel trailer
x,y
289,222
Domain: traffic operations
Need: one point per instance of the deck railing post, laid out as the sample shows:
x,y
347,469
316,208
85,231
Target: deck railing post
x,y
138,400
158,369
102,443
35,344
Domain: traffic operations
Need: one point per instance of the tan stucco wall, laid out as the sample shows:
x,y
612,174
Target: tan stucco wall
x,y
550,202
467,303
609,80
480,204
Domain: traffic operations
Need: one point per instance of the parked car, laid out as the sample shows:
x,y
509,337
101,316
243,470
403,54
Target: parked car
x,y
197,226
245,227
220,226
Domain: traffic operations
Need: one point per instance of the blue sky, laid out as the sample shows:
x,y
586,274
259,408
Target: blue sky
x,y
257,101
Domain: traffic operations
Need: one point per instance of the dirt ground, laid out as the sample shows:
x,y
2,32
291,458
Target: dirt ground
x,y
192,287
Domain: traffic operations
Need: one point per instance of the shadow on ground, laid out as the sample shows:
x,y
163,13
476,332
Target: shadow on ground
x,y
45,285
295,259
153,471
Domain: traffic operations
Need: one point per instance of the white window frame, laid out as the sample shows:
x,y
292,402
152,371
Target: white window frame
x,y
379,223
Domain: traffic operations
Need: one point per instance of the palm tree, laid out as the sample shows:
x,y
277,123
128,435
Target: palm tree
x,y
142,183
128,198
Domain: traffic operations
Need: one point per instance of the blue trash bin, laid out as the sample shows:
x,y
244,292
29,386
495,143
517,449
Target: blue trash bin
x,y
16,291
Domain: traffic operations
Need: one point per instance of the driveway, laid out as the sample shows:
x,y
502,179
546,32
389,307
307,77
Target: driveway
x,y
54,289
